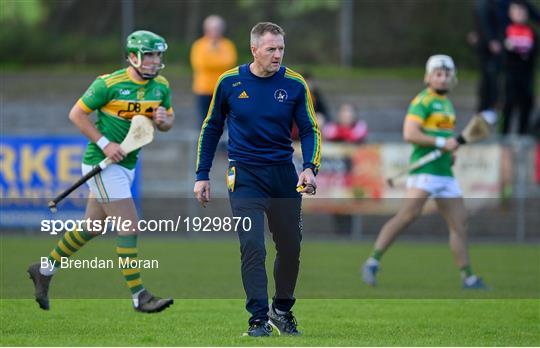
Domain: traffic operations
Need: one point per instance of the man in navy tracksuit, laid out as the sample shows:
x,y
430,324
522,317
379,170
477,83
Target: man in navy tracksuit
x,y
260,101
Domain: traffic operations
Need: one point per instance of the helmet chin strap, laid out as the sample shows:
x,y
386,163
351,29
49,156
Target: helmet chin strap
x,y
138,65
452,84
144,76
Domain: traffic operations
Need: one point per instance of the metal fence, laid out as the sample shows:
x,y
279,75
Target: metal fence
x,y
513,214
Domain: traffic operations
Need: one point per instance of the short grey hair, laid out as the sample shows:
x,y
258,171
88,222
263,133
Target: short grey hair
x,y
214,18
262,28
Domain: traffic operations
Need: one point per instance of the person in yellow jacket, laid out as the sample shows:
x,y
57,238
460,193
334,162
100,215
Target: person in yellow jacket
x,y
211,55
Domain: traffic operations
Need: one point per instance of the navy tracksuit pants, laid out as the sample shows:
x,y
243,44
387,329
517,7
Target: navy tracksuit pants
x,y
269,190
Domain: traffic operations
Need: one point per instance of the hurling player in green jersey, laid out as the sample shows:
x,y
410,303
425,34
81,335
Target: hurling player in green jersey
x,y
429,125
116,98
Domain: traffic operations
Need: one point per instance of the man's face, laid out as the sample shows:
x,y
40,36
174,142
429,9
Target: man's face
x,y
441,79
269,52
518,13
347,115
151,62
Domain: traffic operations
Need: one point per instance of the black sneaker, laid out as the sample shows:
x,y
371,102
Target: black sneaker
x,y
258,328
285,324
148,303
41,286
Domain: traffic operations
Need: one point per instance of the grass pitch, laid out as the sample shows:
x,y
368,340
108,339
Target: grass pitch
x,y
323,322
418,301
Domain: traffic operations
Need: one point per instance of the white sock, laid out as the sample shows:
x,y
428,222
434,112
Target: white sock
x,y
372,262
135,298
47,271
470,279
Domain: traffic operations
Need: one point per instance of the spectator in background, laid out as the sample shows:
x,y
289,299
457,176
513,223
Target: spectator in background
x,y
536,127
490,22
318,101
536,134
492,18
520,45
211,55
347,128
321,111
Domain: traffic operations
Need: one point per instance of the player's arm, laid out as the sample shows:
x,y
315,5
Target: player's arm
x,y
211,131
412,133
163,119
310,139
79,115
164,115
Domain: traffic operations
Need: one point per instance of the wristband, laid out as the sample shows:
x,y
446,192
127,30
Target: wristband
x,y
102,142
440,142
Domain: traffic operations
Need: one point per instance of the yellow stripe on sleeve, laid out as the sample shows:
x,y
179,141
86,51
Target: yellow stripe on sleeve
x,y
83,106
311,114
415,118
230,72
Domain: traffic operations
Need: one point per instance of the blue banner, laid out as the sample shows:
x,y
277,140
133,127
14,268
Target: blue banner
x,y
35,169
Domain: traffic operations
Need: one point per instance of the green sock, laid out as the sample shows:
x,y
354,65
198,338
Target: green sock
x,y
70,243
465,271
377,254
127,251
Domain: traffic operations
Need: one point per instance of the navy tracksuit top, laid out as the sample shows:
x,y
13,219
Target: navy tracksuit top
x,y
259,113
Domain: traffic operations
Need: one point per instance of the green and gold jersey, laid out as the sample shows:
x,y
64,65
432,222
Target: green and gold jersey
x,y
436,115
117,98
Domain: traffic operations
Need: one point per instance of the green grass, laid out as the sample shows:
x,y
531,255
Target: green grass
x,y
323,322
418,300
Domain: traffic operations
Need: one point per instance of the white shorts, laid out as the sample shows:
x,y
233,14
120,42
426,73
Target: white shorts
x,y
437,186
111,184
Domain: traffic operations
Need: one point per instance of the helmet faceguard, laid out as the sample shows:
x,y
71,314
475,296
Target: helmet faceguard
x,y
142,43
444,62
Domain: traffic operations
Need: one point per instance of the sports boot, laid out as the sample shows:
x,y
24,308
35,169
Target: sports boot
x,y
284,324
148,303
258,328
41,286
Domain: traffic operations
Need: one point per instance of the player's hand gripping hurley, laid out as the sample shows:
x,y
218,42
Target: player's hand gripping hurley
x,y
141,132
477,129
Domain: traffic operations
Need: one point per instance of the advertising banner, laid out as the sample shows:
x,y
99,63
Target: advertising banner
x,y
33,170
